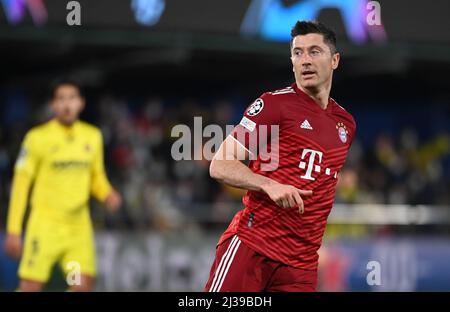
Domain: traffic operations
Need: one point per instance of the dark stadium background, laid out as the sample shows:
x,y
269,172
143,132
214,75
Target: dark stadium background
x,y
393,198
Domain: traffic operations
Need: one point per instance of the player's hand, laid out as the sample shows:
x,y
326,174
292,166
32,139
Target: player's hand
x,y
113,201
13,246
286,196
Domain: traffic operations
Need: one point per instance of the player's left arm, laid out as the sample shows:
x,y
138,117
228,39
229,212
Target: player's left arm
x,y
101,189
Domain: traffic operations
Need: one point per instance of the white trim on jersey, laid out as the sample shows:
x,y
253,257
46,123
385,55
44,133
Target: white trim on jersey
x,y
283,92
284,89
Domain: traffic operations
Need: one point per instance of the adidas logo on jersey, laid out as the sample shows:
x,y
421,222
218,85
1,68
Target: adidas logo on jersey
x,y
306,125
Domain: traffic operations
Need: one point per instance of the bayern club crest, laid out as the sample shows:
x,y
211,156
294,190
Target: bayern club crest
x,y
255,108
342,132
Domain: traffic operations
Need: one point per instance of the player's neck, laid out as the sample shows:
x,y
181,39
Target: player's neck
x,y
319,95
65,125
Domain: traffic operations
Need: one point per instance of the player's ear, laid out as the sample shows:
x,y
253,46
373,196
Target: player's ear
x,y
335,60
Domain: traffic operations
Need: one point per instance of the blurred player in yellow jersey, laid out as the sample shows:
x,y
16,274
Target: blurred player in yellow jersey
x,y
63,160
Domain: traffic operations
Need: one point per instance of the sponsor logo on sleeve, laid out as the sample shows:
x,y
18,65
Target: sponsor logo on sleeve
x,y
248,124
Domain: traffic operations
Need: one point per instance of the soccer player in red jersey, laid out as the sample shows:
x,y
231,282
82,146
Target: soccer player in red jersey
x,y
272,244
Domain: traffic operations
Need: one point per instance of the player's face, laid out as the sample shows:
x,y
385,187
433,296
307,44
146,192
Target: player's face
x,y
67,104
313,61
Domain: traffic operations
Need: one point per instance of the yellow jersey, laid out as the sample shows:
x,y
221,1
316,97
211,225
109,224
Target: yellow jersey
x,y
65,166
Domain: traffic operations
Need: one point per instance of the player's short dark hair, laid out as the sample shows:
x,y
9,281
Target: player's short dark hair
x,y
65,81
313,27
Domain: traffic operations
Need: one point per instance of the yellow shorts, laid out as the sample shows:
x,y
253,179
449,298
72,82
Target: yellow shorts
x,y
73,248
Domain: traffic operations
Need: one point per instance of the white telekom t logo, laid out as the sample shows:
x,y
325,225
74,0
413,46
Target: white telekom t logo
x,y
311,165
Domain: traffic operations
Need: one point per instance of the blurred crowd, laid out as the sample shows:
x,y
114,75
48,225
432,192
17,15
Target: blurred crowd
x,y
392,167
398,169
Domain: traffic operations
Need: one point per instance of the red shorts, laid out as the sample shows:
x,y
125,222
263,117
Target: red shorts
x,y
237,268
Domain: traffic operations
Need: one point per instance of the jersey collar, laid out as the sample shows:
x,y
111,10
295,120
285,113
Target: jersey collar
x,y
310,102
66,130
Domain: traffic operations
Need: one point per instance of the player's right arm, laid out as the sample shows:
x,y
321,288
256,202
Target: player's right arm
x,y
24,172
227,167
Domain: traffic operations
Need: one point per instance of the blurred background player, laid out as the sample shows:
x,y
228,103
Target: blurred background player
x,y
272,244
63,158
